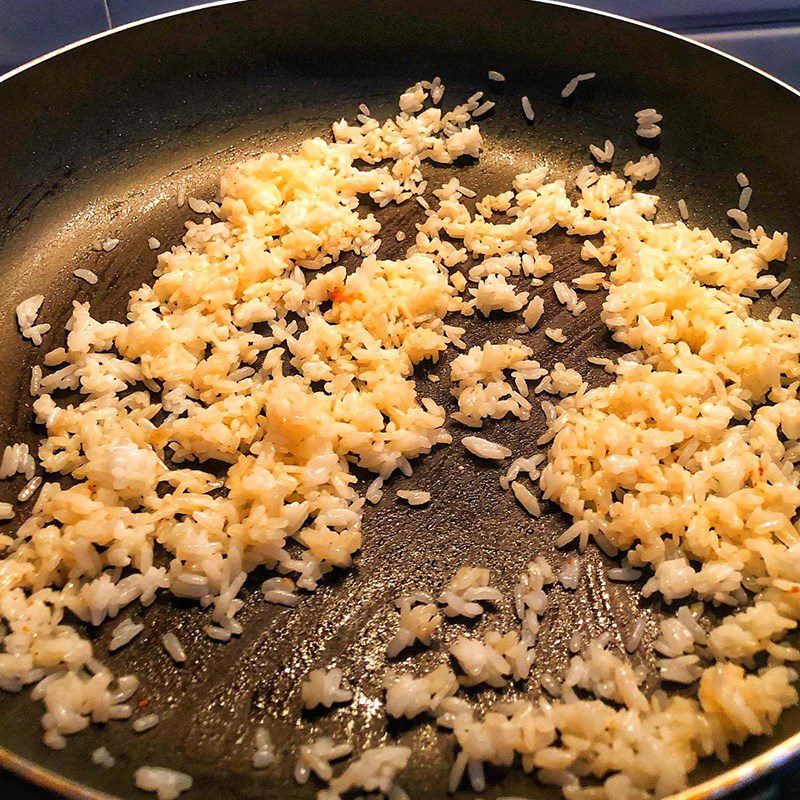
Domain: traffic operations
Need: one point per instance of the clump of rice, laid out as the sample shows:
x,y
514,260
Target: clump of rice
x,y
17,459
373,771
280,591
464,593
533,312
323,688
530,603
103,758
27,312
529,466
556,334
481,661
562,381
109,244
568,298
409,697
145,723
602,155
419,620
167,784
645,169
686,462
317,757
646,126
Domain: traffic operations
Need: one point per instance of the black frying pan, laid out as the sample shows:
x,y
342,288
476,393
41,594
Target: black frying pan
x,y
94,143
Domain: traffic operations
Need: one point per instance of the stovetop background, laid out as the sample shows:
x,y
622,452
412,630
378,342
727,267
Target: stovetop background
x,y
763,32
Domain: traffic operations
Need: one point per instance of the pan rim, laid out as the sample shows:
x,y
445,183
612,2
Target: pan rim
x,y
739,777
558,3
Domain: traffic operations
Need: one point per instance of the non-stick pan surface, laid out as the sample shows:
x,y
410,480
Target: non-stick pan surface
x,y
95,143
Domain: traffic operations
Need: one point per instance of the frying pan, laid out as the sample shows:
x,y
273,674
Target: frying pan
x,y
96,141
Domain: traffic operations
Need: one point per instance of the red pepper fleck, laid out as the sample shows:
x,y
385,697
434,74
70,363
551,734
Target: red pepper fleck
x,y
143,702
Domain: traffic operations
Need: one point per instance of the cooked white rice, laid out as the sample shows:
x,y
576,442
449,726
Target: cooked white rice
x,y
740,218
145,723
744,197
323,688
17,459
483,108
419,620
414,497
373,771
483,448
103,758
174,648
526,498
533,312
780,288
686,462
590,281
466,590
645,169
572,85
86,275
29,489
646,126
27,312
317,757
167,784
124,633
602,155
527,109
264,753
